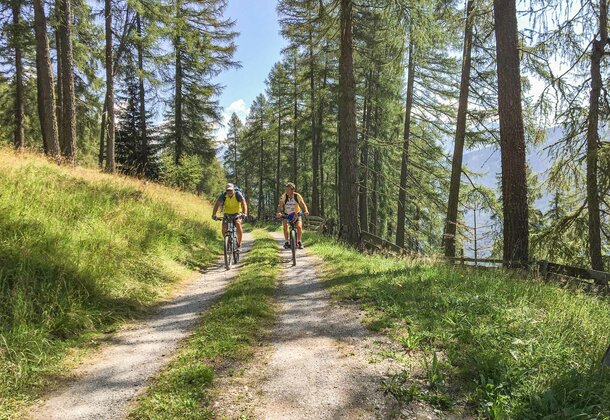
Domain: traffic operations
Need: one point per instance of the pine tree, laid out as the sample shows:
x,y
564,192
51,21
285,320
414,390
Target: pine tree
x,y
232,155
203,43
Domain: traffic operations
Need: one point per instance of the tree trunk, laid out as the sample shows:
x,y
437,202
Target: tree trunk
x,y
315,150
261,173
178,103
404,170
19,135
321,107
60,97
110,160
460,134
235,158
595,243
68,105
102,146
376,172
144,153
45,82
40,106
320,126
347,128
276,195
364,157
295,137
512,137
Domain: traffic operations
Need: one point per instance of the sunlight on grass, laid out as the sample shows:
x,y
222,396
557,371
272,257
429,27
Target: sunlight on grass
x,y
80,251
226,334
517,348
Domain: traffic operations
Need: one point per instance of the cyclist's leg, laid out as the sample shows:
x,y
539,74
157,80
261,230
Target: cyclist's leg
x,y
224,228
240,231
299,230
285,222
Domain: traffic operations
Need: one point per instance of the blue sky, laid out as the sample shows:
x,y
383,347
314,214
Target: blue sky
x,y
259,46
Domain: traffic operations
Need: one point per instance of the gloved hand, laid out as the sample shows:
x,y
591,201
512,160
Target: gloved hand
x,y
214,217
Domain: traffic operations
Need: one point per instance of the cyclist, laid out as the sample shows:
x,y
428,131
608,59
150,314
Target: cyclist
x,y
233,203
292,202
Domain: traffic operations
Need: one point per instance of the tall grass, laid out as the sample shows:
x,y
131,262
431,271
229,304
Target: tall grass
x,y
80,251
511,347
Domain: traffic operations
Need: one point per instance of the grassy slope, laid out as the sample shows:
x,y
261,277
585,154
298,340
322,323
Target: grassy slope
x,y
226,333
80,251
515,348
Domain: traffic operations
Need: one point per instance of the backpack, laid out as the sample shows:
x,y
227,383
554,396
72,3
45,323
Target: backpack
x,y
297,196
238,193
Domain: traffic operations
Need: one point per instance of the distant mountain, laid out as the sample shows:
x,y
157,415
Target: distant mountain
x,y
486,163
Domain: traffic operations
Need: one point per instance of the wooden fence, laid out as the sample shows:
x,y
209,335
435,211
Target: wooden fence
x,y
546,269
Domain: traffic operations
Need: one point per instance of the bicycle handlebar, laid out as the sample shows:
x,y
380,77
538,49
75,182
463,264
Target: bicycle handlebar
x,y
285,215
238,216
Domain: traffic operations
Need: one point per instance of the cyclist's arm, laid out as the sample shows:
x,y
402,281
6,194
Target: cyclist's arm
x,y
280,205
216,207
244,206
304,208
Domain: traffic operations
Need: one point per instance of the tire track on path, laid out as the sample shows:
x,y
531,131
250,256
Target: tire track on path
x,y
318,366
105,387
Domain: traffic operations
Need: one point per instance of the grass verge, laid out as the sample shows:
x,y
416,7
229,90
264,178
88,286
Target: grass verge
x,y
79,252
507,346
226,334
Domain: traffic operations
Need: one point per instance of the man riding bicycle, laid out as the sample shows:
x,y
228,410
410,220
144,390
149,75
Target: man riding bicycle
x,y
292,202
233,203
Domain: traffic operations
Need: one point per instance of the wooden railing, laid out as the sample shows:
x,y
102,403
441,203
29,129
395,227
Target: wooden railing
x,y
314,223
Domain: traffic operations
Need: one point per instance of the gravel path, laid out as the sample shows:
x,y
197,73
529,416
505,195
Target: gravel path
x,y
122,369
319,364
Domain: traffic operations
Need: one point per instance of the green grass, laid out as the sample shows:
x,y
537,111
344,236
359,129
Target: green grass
x,y
79,252
226,335
508,346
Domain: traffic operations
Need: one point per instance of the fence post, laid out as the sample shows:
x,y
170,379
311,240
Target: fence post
x,y
606,359
543,268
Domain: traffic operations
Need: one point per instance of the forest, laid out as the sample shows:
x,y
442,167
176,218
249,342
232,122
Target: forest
x,y
370,112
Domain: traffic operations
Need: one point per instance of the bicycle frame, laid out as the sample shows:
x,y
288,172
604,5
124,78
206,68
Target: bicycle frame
x,y
293,235
231,253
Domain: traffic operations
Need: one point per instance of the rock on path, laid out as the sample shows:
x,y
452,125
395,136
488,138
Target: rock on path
x,y
121,371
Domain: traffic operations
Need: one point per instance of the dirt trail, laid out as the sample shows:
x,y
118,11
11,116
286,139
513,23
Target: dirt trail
x,y
319,364
105,387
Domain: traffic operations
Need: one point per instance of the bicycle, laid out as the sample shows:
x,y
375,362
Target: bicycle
x,y
292,219
231,252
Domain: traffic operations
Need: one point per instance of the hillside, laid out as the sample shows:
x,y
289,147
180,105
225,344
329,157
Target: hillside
x,y
79,252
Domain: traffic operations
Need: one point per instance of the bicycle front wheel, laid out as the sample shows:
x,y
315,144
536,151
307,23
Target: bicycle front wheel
x,y
228,252
293,246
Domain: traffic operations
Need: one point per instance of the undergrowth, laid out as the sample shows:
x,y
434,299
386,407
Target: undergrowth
x,y
511,347
79,252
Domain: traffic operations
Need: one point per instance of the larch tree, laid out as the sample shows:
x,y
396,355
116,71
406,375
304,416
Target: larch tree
x,y
44,75
68,98
460,134
348,149
512,136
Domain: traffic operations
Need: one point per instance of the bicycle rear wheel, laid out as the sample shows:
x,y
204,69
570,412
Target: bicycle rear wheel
x,y
293,246
228,251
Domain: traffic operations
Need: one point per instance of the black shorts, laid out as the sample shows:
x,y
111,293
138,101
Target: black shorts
x,y
232,215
